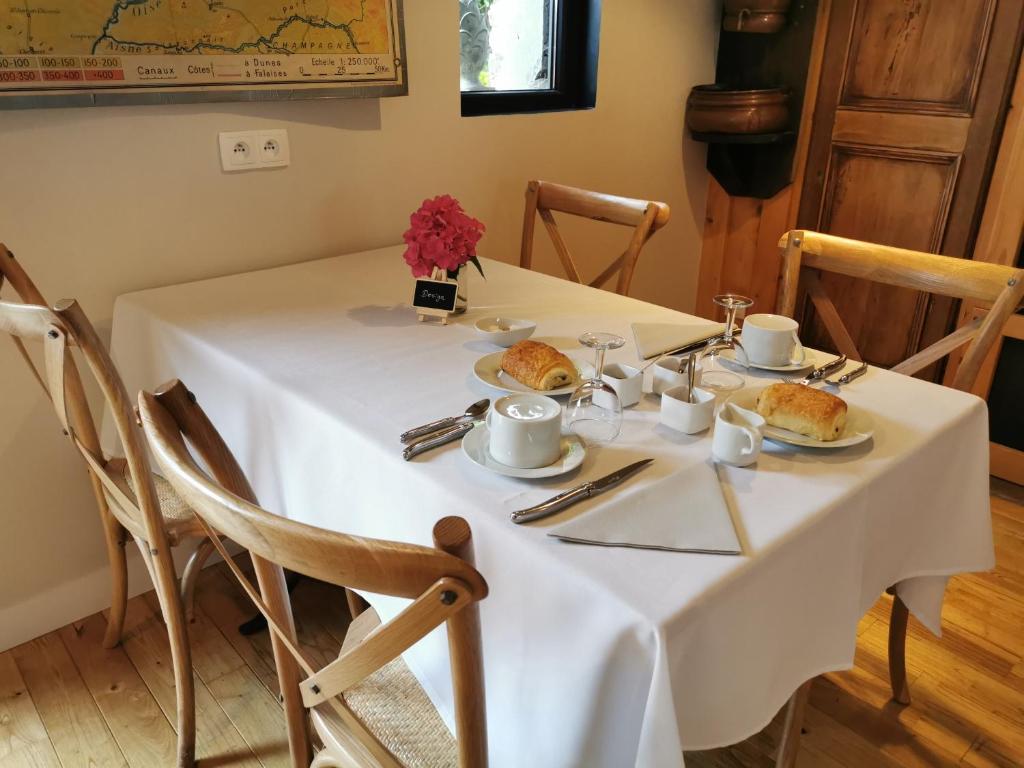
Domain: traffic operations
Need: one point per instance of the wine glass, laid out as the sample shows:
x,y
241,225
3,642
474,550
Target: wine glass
x,y
594,411
715,376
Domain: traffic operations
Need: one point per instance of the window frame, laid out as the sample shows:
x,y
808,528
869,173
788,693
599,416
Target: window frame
x,y
576,40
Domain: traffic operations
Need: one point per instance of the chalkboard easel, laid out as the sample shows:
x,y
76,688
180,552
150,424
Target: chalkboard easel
x,y
435,297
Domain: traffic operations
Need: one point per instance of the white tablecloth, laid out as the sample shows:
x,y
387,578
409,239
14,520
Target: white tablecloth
x,y
593,656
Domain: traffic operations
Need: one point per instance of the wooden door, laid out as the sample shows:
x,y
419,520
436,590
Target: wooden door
x,y
907,119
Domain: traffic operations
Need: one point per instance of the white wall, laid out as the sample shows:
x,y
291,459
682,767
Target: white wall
x,y
98,202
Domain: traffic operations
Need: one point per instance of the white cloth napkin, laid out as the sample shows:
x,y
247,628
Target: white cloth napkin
x,y
685,513
657,338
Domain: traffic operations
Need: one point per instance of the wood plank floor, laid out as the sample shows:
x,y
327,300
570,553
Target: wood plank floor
x,y
66,702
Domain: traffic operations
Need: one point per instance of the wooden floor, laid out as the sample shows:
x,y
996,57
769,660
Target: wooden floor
x,y
64,701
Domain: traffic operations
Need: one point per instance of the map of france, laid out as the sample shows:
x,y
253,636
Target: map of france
x,y
55,43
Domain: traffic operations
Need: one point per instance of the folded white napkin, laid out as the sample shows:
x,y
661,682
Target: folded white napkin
x,y
657,338
685,512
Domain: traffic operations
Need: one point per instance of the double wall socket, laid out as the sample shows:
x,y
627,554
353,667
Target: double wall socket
x,y
249,150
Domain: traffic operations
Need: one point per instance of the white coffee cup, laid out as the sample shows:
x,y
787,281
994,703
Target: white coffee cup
x,y
772,340
668,375
680,414
627,382
525,430
738,436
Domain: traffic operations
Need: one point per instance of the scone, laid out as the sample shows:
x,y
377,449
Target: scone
x,y
538,365
803,409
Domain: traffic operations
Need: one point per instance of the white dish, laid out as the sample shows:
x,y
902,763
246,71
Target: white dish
x,y
729,355
504,331
488,370
859,425
474,445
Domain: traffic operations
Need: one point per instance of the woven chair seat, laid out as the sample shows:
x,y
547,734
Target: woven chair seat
x,y
179,520
393,706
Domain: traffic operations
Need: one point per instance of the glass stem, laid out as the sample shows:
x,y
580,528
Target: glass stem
x,y
599,363
730,318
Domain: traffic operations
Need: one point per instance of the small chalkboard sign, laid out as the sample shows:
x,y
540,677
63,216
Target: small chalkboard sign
x,y
435,298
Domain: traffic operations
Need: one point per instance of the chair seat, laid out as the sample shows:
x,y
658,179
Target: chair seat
x,y
393,706
180,521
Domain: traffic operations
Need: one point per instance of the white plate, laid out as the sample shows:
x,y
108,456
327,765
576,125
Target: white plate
x,y
488,370
474,445
859,425
729,355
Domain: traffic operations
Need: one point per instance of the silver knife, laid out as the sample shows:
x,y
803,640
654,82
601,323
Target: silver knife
x,y
846,378
434,439
579,493
820,373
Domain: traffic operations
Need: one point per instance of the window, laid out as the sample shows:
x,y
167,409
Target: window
x,y
528,55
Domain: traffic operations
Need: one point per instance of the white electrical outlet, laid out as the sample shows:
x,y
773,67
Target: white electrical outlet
x,y
273,148
248,150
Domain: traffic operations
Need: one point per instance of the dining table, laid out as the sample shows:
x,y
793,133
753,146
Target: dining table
x,y
593,655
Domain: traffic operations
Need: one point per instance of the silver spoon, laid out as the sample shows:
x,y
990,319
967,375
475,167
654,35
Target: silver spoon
x,y
691,376
475,411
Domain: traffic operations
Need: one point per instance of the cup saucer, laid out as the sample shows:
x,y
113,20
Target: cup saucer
x,y
729,356
474,445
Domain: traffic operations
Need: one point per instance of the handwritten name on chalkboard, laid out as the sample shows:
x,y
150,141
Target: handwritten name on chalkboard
x,y
435,294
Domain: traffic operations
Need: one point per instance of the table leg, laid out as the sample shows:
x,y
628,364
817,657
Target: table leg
x,y
789,744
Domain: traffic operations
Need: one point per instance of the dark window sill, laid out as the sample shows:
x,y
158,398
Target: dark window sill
x,y
478,103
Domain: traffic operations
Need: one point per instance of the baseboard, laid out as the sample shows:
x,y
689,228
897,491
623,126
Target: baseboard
x,y
77,599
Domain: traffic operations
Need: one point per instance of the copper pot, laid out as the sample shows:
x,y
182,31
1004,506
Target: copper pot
x,y
764,16
718,109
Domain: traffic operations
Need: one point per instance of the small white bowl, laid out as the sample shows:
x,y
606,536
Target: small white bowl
x,y
680,414
666,374
627,382
504,331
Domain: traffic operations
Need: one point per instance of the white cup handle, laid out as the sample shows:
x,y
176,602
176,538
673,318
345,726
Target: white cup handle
x,y
751,436
799,350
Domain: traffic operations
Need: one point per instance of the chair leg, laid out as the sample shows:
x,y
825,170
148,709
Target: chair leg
x,y
789,745
191,575
161,568
116,537
898,618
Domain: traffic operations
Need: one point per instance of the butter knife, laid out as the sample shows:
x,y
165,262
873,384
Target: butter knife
x,y
846,378
579,493
828,368
435,439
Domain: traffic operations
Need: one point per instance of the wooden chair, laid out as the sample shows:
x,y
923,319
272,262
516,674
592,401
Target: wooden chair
x,y
1000,286
645,217
130,498
442,583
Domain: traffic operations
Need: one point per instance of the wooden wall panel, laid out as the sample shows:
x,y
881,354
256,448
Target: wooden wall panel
x,y
914,56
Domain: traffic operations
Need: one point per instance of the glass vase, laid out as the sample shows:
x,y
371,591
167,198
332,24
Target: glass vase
x,y
461,278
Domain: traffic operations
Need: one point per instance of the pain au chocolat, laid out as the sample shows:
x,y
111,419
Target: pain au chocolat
x,y
538,365
803,409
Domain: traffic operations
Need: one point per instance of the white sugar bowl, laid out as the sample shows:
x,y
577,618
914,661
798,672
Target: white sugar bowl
x,y
504,331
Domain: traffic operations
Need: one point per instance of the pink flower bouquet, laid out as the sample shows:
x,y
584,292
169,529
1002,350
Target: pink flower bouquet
x,y
443,235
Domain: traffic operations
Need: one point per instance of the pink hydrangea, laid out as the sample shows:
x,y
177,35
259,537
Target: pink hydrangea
x,y
440,234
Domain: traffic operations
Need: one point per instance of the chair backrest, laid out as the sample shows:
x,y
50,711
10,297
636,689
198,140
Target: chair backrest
x,y
644,216
1000,286
59,330
443,582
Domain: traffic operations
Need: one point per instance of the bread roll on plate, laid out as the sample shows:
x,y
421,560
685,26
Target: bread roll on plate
x,y
538,365
803,409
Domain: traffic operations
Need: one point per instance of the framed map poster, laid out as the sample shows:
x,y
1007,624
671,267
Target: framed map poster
x,y
106,52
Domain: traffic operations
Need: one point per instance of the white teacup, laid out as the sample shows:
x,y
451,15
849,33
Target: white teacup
x,y
525,430
680,414
667,374
738,436
772,340
627,382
